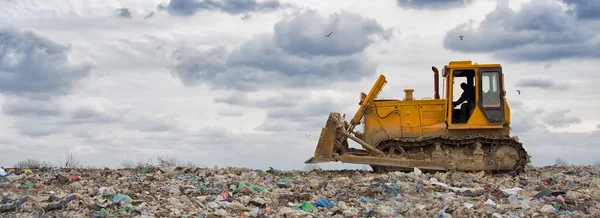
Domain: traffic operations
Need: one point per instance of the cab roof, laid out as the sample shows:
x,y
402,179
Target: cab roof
x,y
468,63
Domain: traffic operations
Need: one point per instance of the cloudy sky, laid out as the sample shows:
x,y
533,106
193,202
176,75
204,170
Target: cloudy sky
x,y
240,83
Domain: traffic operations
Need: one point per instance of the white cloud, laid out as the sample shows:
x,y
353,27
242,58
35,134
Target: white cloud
x,y
213,88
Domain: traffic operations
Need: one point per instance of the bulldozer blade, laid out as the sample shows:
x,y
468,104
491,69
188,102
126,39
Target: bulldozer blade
x,y
316,160
326,144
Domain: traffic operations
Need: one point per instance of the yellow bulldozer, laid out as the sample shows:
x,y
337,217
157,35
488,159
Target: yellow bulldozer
x,y
430,134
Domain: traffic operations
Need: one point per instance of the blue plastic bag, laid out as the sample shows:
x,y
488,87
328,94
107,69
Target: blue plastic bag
x,y
121,197
323,202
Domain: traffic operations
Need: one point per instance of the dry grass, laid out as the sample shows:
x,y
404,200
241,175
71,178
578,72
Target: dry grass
x,y
32,164
561,162
161,161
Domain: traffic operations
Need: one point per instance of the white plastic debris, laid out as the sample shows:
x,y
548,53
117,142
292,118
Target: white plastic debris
x,y
518,203
547,209
490,202
468,205
455,189
417,171
512,191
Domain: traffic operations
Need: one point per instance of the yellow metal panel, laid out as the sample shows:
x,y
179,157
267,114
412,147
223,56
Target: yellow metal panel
x,y
410,116
438,127
386,121
477,118
412,131
383,111
432,114
468,62
487,65
428,115
506,113
449,97
459,66
423,102
467,126
386,103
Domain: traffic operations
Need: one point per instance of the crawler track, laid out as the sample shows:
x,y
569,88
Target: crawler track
x,y
497,154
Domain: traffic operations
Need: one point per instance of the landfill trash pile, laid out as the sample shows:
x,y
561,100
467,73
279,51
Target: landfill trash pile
x,y
238,192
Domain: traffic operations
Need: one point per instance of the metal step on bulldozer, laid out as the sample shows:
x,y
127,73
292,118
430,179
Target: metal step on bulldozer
x,y
430,133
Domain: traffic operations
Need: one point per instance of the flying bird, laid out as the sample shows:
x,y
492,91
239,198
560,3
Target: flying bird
x,y
307,135
161,46
328,35
461,37
519,91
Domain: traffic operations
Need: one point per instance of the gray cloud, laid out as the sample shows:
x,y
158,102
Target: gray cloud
x,y
585,9
88,114
561,119
352,33
294,106
290,111
27,107
286,125
531,125
540,31
231,113
285,69
92,111
307,115
234,7
305,110
544,147
37,118
157,123
276,61
433,4
242,99
35,127
39,130
542,83
32,64
123,12
526,120
194,67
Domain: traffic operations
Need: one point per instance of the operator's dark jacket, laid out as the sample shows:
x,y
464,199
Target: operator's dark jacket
x,y
468,95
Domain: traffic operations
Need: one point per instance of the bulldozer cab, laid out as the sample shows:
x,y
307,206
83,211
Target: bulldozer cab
x,y
475,95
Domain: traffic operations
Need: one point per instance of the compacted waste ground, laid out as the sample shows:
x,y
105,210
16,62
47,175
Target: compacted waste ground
x,y
568,191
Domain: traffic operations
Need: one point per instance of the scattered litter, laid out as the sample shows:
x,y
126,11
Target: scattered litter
x,y
512,191
548,192
239,192
547,209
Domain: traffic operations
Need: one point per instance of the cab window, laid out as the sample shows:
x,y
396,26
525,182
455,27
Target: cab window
x,y
490,89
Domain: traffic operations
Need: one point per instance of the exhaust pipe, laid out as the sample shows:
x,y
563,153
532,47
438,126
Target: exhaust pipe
x,y
436,83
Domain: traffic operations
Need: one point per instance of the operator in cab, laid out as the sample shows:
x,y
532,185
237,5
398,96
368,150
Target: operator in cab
x,y
467,96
